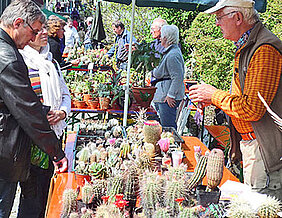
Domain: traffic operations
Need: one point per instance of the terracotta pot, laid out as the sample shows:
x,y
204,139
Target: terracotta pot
x,y
93,104
87,97
81,104
104,103
139,91
80,179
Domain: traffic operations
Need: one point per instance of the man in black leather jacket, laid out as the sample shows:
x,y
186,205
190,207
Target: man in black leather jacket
x,y
22,117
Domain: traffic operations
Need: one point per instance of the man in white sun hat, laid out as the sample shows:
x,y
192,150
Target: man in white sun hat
x,y
257,68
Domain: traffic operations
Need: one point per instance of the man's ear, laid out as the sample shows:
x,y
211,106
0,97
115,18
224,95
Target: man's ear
x,y
239,18
17,22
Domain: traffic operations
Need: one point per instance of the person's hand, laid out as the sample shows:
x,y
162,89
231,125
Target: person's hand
x,y
170,101
61,166
202,93
54,117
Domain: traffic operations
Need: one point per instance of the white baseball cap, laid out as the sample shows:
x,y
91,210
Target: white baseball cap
x,y
230,3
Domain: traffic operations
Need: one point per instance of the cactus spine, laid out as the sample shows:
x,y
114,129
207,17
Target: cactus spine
x,y
86,193
269,208
161,213
131,182
108,211
187,213
115,186
74,215
69,202
215,165
199,172
239,208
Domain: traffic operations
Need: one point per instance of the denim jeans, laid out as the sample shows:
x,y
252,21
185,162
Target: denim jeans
x,y
7,195
88,46
167,114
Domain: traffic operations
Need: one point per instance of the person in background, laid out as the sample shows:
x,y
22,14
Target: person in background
x,y
120,47
49,85
23,117
170,75
87,39
55,27
75,23
257,68
156,34
71,35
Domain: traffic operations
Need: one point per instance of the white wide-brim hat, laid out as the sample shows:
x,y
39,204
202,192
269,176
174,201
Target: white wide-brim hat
x,y
230,3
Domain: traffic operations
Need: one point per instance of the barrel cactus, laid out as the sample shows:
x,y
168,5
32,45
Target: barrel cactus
x,y
269,208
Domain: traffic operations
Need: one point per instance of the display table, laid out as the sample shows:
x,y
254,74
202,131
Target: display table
x,y
220,133
69,180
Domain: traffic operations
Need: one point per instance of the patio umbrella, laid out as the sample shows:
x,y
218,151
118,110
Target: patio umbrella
x,y
191,5
97,30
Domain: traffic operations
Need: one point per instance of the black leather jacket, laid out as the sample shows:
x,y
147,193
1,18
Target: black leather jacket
x,y
21,116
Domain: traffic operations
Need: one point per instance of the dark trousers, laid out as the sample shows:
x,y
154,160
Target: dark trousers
x,y
34,192
7,195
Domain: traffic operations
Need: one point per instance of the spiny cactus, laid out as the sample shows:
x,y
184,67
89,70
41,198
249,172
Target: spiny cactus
x,y
151,195
215,165
187,213
239,208
115,186
152,132
69,202
87,214
124,149
161,213
84,154
199,173
269,208
86,193
177,173
131,182
174,189
108,211
99,187
145,161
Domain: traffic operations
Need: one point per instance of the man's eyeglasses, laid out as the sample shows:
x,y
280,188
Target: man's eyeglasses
x,y
33,31
218,19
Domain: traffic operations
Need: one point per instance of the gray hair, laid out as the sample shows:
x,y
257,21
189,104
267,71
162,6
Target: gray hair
x,y
171,33
159,22
25,9
250,15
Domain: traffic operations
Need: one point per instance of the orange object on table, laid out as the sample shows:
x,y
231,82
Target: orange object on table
x,y
188,149
220,133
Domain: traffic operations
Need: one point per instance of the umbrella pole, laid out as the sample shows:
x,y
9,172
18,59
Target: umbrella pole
x,y
128,66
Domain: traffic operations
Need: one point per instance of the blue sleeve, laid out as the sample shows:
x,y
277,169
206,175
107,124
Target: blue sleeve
x,y
111,51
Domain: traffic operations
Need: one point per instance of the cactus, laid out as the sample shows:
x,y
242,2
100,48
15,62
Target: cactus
x,y
239,208
187,213
161,213
87,214
199,173
115,186
177,173
108,211
69,202
145,161
215,165
174,189
98,171
131,182
152,133
84,154
269,208
124,149
86,193
151,193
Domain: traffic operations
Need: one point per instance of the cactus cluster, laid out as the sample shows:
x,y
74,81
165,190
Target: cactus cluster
x,y
161,213
108,211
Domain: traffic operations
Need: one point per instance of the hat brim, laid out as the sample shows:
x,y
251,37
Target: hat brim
x,y
214,9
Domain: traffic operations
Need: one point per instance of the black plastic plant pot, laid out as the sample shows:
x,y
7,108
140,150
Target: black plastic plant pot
x,y
206,198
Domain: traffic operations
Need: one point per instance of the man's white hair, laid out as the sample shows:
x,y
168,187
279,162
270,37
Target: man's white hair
x,y
171,33
250,15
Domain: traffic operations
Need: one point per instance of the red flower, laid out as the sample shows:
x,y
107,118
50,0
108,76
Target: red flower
x,y
119,196
121,203
105,198
179,199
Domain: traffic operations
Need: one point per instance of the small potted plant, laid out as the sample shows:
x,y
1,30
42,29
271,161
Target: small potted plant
x,y
104,92
143,60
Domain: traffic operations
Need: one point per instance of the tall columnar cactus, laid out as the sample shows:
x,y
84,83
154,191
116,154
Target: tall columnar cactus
x,y
99,188
239,208
84,154
176,172
151,192
269,208
115,186
174,189
131,182
215,165
187,213
69,202
161,213
199,172
86,193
